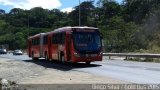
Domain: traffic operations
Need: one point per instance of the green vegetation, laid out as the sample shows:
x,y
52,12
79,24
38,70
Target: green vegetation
x,y
133,26
156,60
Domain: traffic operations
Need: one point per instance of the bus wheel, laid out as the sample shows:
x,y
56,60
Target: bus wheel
x,y
46,57
62,59
34,58
88,63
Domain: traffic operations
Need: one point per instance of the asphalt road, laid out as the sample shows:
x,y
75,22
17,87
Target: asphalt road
x,y
16,57
134,72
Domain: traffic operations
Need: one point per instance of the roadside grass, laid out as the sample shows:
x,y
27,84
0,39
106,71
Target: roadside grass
x,y
156,60
154,49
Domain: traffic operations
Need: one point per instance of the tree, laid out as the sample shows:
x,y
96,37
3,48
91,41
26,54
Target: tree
x,y
139,10
2,14
19,41
2,11
119,34
38,17
86,9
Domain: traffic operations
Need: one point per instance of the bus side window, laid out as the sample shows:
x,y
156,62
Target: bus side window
x,y
36,41
45,40
54,39
58,38
33,42
63,38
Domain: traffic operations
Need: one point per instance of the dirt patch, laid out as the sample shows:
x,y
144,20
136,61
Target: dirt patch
x,y
27,72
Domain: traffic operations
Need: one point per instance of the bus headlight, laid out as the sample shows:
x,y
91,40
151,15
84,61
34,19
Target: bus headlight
x,y
76,54
101,53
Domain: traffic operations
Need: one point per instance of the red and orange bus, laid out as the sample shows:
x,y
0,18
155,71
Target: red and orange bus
x,y
67,44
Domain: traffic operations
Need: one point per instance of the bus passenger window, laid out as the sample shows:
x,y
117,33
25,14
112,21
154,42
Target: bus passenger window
x,y
45,40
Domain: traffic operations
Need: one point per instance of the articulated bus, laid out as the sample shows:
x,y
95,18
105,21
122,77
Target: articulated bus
x,y
67,44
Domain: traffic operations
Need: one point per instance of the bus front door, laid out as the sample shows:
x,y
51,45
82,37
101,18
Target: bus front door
x,y
68,47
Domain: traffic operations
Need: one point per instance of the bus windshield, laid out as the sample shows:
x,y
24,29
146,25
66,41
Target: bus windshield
x,y
87,41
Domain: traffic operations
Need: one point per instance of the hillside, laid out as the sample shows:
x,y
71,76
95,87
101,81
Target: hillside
x,y
133,26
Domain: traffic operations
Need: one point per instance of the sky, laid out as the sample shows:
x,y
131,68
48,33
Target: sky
x,y
63,5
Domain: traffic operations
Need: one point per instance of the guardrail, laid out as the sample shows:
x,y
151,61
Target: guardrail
x,y
132,55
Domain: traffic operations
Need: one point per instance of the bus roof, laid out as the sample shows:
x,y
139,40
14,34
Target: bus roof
x,y
68,28
71,28
36,35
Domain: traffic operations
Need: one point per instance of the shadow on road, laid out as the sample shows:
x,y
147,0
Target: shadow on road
x,y
60,66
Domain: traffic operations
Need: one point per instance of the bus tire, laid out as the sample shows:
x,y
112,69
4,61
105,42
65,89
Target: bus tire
x,y
46,57
35,58
88,63
62,59
32,55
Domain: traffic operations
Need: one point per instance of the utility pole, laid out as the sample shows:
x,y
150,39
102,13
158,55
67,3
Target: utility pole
x,y
28,27
79,13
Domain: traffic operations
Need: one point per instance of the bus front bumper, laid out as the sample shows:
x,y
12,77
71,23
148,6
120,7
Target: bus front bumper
x,y
89,58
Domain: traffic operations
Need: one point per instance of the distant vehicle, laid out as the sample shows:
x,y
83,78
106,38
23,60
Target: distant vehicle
x,y
3,51
17,52
67,44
